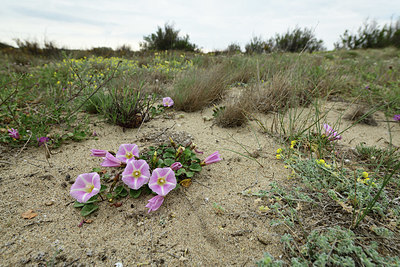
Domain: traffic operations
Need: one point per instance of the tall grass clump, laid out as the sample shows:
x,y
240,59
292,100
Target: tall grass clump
x,y
198,88
371,35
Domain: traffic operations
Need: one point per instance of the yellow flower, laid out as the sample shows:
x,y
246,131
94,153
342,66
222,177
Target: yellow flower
x,y
58,82
278,156
321,161
327,166
279,150
365,174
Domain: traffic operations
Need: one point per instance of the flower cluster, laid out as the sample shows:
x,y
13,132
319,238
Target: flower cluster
x,y
159,175
322,162
331,134
396,117
13,133
279,153
365,179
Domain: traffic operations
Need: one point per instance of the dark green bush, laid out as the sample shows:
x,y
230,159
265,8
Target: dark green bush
x,y
297,40
167,39
370,35
256,45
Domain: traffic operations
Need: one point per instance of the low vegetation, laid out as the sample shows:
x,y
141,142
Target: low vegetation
x,y
331,213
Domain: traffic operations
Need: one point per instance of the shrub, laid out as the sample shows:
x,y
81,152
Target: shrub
x,y
297,40
233,48
370,35
167,39
256,45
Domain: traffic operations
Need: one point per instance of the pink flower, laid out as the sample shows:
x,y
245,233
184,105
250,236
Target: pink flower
x,y
214,157
127,151
13,133
168,102
330,133
176,166
162,181
396,117
43,140
98,152
85,186
136,173
155,203
111,161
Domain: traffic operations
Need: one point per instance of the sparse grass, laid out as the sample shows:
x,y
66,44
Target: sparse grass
x,y
198,88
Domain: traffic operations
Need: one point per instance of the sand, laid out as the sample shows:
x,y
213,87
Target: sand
x,y
210,223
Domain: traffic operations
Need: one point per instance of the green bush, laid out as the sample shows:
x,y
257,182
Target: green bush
x,y
297,40
167,39
370,35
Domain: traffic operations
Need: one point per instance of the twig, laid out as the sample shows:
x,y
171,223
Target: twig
x,y
94,92
24,144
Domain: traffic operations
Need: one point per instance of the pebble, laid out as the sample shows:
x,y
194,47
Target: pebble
x,y
49,203
89,253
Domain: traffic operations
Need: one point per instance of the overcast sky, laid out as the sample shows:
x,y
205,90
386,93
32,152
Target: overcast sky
x,y
210,24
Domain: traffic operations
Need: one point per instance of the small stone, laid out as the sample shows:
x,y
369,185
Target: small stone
x,y
347,161
183,258
89,253
67,177
49,203
64,185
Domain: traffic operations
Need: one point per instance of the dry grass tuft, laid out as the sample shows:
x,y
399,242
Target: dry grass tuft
x,y
278,94
198,88
234,112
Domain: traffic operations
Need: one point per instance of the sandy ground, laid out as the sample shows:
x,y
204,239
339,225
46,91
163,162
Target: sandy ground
x,y
188,229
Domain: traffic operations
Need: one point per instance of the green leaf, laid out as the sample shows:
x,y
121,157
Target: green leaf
x,y
120,191
181,171
78,204
189,174
96,170
169,155
170,150
88,209
103,188
169,162
195,167
160,163
135,193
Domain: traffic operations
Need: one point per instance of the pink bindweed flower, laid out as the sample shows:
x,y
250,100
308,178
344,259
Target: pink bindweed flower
x,y
136,173
176,166
13,133
214,157
155,203
85,186
162,181
111,161
168,102
42,140
396,117
331,134
98,152
127,151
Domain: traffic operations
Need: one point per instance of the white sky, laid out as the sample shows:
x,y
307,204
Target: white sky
x,y
210,24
